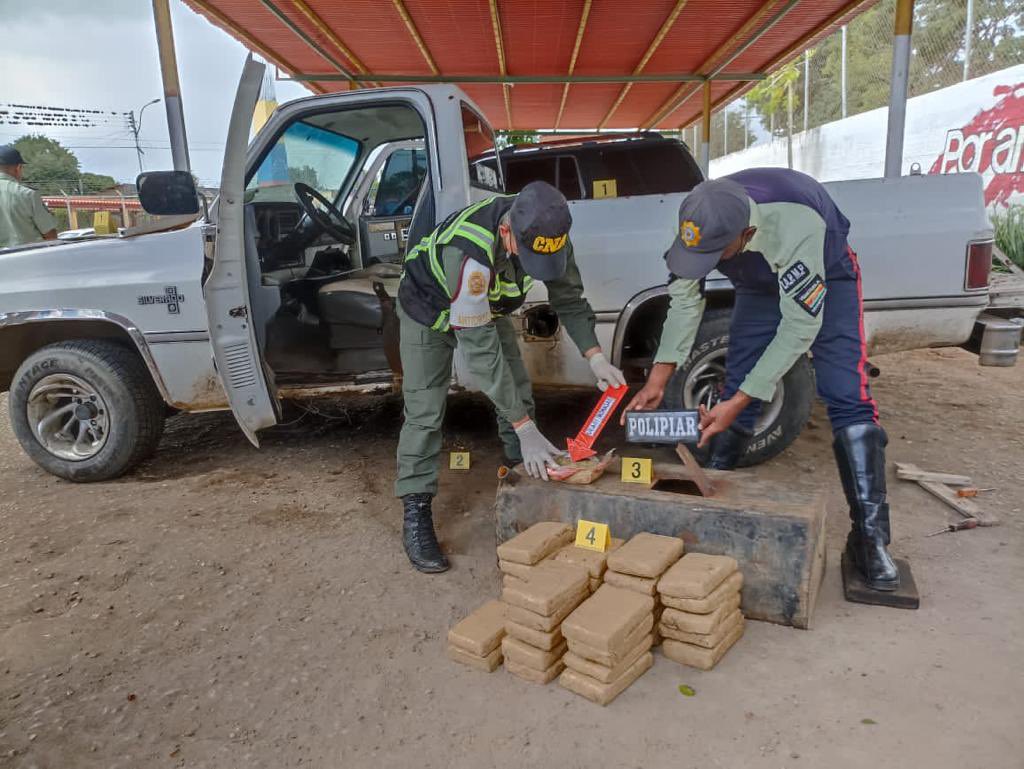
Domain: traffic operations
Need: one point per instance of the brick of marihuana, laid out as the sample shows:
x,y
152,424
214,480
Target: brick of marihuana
x,y
595,583
507,580
603,673
700,623
603,693
611,659
536,543
523,654
548,587
605,619
594,561
518,570
696,575
480,632
646,555
721,594
546,624
697,656
487,664
538,638
708,641
643,585
535,676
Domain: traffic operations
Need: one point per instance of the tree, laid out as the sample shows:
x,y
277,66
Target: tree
x,y
52,169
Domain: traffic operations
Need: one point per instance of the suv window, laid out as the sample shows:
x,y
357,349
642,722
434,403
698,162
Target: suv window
x,y
399,182
479,139
654,169
557,170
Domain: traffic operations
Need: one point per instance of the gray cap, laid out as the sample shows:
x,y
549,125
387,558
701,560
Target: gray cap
x,y
540,221
9,156
711,216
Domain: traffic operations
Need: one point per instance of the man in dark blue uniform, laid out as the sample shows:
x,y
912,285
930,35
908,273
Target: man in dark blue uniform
x,y
781,240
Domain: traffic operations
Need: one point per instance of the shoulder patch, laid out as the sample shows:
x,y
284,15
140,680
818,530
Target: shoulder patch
x,y
470,307
811,296
792,277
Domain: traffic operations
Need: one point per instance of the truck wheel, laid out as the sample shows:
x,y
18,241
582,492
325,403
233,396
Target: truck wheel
x,y
86,410
702,377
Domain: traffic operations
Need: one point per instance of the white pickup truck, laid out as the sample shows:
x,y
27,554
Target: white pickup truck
x,y
282,290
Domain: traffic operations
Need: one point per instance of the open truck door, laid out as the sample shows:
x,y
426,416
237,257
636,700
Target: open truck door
x,y
248,383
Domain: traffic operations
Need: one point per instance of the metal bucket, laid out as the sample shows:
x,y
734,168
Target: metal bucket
x,y
1000,340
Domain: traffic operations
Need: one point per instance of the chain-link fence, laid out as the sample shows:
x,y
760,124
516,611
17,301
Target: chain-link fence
x,y
848,72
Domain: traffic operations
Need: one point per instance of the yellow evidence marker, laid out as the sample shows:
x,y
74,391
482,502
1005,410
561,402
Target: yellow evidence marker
x,y
458,460
592,536
605,188
636,470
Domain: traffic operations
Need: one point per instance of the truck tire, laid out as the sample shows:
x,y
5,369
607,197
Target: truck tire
x,y
701,378
86,410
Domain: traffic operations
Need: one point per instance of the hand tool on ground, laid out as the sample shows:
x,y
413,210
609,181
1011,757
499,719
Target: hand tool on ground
x,y
971,491
580,447
969,523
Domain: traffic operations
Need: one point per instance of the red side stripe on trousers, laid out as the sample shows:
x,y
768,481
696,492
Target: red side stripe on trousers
x,y
862,363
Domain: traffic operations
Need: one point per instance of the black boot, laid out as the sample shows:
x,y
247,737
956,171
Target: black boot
x,y
418,534
726,449
860,454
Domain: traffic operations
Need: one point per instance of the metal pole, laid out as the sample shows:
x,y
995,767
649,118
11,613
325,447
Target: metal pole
x,y
705,131
842,71
807,83
746,123
725,131
789,126
172,88
135,132
898,88
968,33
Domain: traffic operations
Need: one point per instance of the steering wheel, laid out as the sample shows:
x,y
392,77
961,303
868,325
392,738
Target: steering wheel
x,y
324,214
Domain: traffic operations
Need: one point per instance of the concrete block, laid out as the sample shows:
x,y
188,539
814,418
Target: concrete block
x,y
536,543
603,693
709,641
605,619
721,594
642,585
697,656
696,575
593,561
545,623
523,654
702,624
535,676
775,531
537,638
480,632
646,555
488,663
603,673
611,659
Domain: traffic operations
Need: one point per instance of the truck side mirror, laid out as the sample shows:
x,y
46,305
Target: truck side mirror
x,y
168,193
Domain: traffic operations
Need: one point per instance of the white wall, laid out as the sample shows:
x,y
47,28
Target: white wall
x,y
973,126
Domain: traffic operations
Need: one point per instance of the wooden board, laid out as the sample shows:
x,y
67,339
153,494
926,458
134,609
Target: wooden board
x,y
962,505
908,472
906,596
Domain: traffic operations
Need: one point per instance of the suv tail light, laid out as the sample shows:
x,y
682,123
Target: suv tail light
x,y
979,264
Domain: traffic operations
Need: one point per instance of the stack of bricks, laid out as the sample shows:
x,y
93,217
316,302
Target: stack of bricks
x,y
520,555
535,607
639,564
609,641
594,561
476,640
702,618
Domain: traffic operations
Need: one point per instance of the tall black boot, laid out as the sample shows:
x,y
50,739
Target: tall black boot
x,y
726,448
418,534
860,454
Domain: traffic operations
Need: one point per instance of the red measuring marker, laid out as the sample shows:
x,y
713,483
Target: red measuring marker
x,y
580,446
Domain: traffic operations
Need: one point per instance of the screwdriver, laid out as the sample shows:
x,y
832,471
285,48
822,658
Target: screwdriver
x,y
969,523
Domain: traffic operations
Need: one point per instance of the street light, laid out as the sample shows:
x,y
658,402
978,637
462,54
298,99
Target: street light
x,y
136,126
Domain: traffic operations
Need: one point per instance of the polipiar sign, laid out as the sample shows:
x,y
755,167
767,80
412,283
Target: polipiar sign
x,y
992,144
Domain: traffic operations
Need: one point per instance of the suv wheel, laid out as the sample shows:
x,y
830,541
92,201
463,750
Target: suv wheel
x,y
701,379
86,410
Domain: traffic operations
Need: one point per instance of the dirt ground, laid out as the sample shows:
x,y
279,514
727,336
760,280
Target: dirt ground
x,y
227,607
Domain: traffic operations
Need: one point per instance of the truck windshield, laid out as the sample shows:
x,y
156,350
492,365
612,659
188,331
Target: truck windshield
x,y
303,153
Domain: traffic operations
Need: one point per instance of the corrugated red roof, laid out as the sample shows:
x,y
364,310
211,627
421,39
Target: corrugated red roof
x,y
537,38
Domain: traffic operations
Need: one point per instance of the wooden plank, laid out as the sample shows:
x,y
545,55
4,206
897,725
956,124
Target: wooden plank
x,y
910,472
965,507
696,471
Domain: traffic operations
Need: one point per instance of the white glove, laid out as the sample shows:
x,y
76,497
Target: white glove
x,y
538,453
607,375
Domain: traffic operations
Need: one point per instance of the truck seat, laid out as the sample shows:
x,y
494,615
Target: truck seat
x,y
352,314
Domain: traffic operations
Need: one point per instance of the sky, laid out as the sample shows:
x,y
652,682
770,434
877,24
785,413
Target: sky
x,y
101,54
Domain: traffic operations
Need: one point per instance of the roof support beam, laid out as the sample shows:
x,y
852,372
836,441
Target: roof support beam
x,y
298,32
665,27
302,7
415,34
499,46
662,77
575,53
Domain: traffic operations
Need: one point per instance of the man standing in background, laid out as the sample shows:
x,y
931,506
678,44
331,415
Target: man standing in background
x,y
23,216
